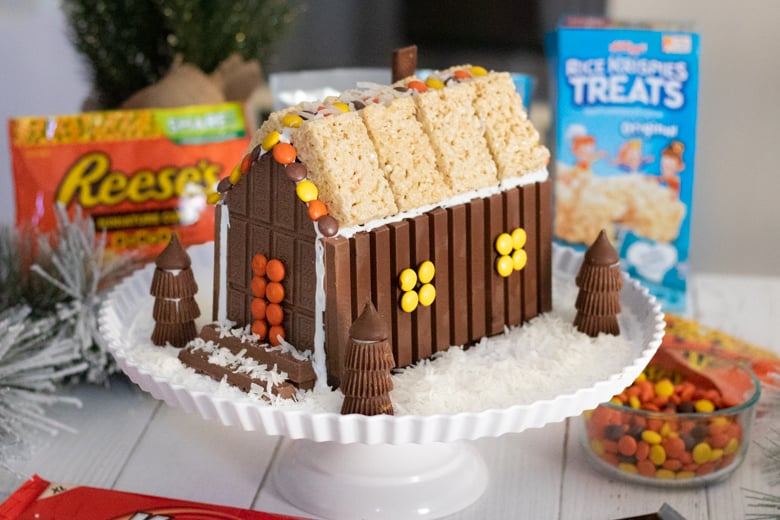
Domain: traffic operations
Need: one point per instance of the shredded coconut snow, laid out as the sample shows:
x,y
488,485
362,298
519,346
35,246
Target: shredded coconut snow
x,y
540,360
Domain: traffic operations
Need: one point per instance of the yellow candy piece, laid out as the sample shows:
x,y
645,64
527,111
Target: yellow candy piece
x,y
617,401
628,468
657,454
642,377
270,140
716,454
597,446
681,475
476,70
306,191
427,294
407,279
651,437
634,402
504,265
666,431
701,453
664,388
409,301
731,447
235,175
519,237
665,474
434,83
504,244
426,271
213,198
292,120
341,106
519,259
704,406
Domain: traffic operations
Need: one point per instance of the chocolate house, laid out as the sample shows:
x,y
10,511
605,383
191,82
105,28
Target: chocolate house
x,y
446,274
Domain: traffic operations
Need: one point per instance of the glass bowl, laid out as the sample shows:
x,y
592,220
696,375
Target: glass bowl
x,y
679,448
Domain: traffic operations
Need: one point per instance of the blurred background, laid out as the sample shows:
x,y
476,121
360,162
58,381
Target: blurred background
x,y
735,223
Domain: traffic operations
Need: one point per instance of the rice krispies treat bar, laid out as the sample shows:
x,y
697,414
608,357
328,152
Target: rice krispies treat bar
x,y
457,135
343,165
512,139
405,154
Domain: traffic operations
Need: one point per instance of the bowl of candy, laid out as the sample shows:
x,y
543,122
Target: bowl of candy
x,y
685,421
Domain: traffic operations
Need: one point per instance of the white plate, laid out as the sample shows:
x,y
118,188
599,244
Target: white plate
x,y
641,323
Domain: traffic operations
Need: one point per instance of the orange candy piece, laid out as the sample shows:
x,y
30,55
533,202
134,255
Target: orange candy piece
x,y
258,308
317,209
284,153
461,74
275,270
274,314
246,163
274,292
419,86
274,334
259,262
258,286
260,327
627,445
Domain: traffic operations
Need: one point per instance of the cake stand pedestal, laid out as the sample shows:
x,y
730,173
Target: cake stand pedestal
x,y
359,481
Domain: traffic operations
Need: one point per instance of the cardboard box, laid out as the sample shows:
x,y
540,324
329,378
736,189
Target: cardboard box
x,y
625,101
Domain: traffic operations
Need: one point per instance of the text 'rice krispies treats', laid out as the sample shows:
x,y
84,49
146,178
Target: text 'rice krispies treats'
x,y
512,139
342,163
405,154
457,135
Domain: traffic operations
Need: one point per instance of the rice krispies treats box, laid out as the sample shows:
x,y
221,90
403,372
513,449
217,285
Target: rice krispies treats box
x,y
625,102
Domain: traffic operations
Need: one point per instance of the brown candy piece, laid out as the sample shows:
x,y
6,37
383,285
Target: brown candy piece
x,y
328,226
296,171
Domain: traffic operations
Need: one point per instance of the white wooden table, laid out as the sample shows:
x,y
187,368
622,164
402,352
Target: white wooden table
x,y
128,441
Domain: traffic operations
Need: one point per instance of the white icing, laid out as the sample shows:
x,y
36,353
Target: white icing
x,y
318,359
224,225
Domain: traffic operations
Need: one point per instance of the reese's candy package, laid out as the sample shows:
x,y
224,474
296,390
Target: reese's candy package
x,y
39,499
140,174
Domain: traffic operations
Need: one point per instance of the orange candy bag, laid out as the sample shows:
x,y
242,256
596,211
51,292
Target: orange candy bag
x,y
140,174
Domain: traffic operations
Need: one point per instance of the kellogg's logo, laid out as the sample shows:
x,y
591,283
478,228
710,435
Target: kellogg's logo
x,y
628,47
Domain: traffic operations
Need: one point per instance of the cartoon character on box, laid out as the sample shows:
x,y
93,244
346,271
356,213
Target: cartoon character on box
x,y
630,158
672,165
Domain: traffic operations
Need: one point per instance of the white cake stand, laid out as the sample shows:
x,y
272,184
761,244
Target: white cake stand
x,y
380,467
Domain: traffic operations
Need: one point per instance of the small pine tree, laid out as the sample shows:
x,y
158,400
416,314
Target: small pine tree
x,y
174,289
600,281
367,383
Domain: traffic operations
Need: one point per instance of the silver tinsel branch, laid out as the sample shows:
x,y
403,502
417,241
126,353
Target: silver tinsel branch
x,y
79,269
34,358
48,326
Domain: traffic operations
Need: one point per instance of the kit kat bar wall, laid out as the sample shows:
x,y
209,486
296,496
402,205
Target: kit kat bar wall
x,y
544,254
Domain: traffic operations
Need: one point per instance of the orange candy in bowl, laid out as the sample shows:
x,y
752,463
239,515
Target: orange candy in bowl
x,y
677,425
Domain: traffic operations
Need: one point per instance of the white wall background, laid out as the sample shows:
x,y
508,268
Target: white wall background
x,y
736,223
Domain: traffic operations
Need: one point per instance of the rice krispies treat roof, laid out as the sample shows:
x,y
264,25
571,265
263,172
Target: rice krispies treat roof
x,y
405,162
405,154
342,163
512,139
450,120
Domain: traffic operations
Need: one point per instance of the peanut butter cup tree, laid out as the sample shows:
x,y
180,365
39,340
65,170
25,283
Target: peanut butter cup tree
x,y
367,382
600,282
